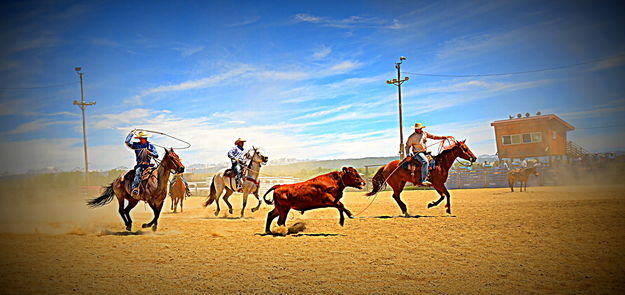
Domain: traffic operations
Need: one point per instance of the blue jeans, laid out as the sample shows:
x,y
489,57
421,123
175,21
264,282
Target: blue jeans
x,y
237,173
424,165
138,171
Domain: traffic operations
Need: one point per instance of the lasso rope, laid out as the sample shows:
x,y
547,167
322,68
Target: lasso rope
x,y
170,136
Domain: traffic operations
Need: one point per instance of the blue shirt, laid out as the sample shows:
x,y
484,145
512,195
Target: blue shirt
x,y
141,157
236,153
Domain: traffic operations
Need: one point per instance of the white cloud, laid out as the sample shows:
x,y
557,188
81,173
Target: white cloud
x,y
322,52
244,22
608,63
37,125
352,22
192,84
190,50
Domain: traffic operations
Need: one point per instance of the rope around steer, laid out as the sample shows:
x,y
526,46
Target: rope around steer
x,y
170,136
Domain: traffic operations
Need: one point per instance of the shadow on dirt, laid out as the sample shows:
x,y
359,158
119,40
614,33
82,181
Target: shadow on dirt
x,y
107,232
224,218
402,216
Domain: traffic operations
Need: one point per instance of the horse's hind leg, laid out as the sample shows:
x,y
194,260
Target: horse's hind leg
x,y
396,195
181,200
122,213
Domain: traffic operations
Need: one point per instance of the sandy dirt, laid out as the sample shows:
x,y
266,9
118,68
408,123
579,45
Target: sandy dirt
x,y
565,240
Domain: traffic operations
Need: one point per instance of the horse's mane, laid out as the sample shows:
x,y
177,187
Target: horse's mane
x,y
447,150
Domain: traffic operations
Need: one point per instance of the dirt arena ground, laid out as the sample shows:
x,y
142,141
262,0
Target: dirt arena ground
x,y
564,240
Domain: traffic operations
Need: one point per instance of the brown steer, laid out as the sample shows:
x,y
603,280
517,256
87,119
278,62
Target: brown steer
x,y
319,192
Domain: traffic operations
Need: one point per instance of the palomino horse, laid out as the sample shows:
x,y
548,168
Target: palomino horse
x,y
250,183
521,175
437,176
177,192
153,190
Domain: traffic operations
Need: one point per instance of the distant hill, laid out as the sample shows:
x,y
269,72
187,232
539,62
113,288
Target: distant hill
x,y
325,165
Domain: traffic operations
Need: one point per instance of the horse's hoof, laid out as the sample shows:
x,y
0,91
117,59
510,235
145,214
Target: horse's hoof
x,y
430,205
129,228
216,213
406,214
230,211
448,211
254,210
145,225
154,227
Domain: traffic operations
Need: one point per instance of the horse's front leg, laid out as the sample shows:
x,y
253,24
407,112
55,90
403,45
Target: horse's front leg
x,y
448,205
259,201
441,192
157,213
245,193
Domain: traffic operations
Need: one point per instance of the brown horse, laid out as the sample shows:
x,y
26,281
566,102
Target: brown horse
x,y
521,175
178,191
398,177
153,190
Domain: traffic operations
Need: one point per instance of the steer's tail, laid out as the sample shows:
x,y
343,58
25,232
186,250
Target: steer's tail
x,y
270,202
104,199
377,181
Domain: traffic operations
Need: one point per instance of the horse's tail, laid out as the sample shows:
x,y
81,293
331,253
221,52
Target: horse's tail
x,y
378,182
105,198
270,202
212,195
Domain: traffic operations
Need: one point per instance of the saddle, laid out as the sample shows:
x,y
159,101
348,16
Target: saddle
x,y
411,162
147,172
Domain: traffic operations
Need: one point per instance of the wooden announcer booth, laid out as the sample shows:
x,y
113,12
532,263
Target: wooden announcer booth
x,y
531,137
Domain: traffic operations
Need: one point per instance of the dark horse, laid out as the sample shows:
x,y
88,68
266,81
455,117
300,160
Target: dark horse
x,y
153,190
437,176
521,175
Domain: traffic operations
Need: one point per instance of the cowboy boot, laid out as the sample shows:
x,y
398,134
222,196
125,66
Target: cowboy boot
x,y
135,193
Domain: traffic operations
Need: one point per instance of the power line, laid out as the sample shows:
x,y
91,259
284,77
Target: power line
x,y
37,87
519,72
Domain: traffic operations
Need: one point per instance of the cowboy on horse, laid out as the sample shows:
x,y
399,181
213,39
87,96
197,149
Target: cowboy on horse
x,y
416,141
237,157
144,152
184,180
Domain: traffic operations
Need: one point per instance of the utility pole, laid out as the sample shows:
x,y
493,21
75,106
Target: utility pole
x,y
397,82
83,105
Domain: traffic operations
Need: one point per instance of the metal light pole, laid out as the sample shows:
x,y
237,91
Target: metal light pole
x,y
397,82
83,105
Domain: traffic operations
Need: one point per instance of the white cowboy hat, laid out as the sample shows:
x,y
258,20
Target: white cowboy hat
x,y
239,140
142,134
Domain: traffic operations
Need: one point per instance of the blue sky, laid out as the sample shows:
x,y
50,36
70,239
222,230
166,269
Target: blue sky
x,y
301,80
